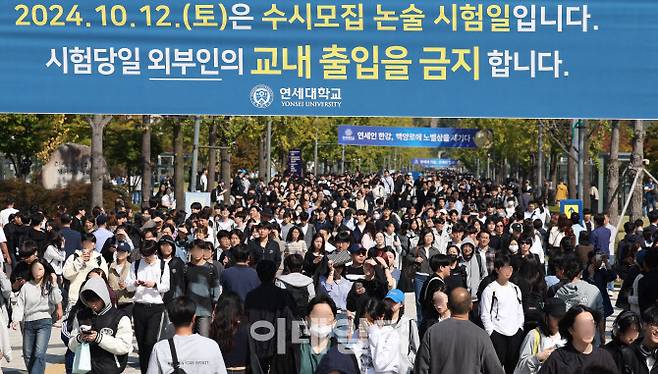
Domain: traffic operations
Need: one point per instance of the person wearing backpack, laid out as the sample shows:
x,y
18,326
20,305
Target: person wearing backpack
x,y
186,352
299,286
540,342
149,280
501,311
79,264
202,286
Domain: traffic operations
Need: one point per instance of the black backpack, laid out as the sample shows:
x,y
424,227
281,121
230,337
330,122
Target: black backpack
x,y
300,298
174,358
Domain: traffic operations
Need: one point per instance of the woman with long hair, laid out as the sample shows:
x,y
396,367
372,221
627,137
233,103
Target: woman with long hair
x,y
37,300
578,327
315,260
420,257
231,332
295,242
55,254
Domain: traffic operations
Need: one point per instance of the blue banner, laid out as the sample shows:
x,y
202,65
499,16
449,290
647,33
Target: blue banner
x,y
406,136
295,165
525,59
435,162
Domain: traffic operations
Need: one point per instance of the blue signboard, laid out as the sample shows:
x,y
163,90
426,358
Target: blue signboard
x,y
295,165
406,136
435,162
570,207
493,58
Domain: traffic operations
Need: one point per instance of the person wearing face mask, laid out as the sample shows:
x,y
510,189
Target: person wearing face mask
x,y
458,277
307,348
513,247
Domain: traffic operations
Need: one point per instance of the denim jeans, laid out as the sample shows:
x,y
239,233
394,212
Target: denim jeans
x,y
418,286
36,335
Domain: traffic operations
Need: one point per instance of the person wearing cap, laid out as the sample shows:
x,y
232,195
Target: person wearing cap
x,y
407,330
117,276
540,342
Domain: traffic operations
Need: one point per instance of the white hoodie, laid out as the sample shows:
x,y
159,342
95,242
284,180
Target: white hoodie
x,y
384,344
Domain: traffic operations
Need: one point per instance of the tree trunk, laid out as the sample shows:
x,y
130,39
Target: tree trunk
x,y
262,157
98,123
212,156
612,200
179,165
636,160
571,170
147,174
226,173
586,179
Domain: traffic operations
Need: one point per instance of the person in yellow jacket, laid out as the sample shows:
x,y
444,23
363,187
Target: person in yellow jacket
x,y
562,192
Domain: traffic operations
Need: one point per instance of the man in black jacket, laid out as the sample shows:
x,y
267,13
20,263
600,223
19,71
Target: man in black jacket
x,y
264,248
647,291
265,306
640,357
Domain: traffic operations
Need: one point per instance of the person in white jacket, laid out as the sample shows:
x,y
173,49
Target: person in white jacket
x,y
108,331
540,342
79,264
502,313
407,330
384,342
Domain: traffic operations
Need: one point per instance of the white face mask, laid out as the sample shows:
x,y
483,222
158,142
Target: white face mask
x,y
513,248
321,331
376,216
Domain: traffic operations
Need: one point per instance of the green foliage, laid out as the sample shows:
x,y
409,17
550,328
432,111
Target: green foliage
x,y
33,194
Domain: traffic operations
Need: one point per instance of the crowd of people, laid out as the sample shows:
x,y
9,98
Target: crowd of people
x,y
442,273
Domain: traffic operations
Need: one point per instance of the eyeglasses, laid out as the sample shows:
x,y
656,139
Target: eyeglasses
x,y
527,243
361,253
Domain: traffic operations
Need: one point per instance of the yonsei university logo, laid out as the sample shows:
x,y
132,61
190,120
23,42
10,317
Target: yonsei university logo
x,y
261,96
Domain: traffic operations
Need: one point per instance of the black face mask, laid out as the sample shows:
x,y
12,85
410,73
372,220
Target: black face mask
x,y
453,258
469,257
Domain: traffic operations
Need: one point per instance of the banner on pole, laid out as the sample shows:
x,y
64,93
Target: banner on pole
x,y
435,162
406,136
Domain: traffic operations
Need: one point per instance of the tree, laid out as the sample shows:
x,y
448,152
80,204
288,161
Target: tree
x,y
636,162
212,154
97,123
613,174
25,136
179,165
147,175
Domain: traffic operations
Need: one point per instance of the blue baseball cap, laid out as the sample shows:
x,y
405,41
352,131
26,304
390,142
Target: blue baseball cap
x,y
123,246
395,295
